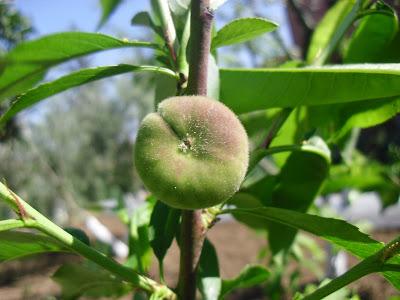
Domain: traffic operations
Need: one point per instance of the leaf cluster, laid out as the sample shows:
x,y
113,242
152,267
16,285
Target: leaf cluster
x,y
298,117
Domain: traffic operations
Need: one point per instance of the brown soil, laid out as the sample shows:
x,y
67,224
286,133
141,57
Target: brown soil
x,y
236,246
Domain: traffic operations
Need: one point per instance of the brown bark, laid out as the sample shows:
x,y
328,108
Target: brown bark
x,y
303,15
192,228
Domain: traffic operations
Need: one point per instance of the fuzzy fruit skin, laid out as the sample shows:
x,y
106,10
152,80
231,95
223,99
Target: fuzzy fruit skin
x,y
192,153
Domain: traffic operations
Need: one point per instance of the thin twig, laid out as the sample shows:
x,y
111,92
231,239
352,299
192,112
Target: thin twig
x,y
168,29
183,65
40,222
276,126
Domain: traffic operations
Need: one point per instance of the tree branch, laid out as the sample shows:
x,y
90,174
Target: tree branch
x,y
192,228
200,40
300,14
191,242
276,126
366,267
300,26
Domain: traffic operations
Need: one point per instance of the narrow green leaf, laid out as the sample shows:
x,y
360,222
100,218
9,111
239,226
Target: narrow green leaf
x,y
78,234
2,63
179,7
213,83
245,90
163,225
248,200
26,64
386,259
291,132
374,33
364,174
299,182
242,30
208,276
143,18
339,119
336,231
331,29
46,90
392,276
165,87
83,280
392,53
16,244
295,187
257,125
140,295
139,237
41,223
248,277
314,145
108,7
18,85
336,288
10,224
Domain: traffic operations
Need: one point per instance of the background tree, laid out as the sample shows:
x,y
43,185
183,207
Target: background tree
x,y
14,28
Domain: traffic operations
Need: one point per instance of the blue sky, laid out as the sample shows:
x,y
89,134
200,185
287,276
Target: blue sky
x,y
59,15
49,16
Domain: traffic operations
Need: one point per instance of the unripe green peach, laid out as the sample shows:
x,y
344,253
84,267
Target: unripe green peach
x,y
192,153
